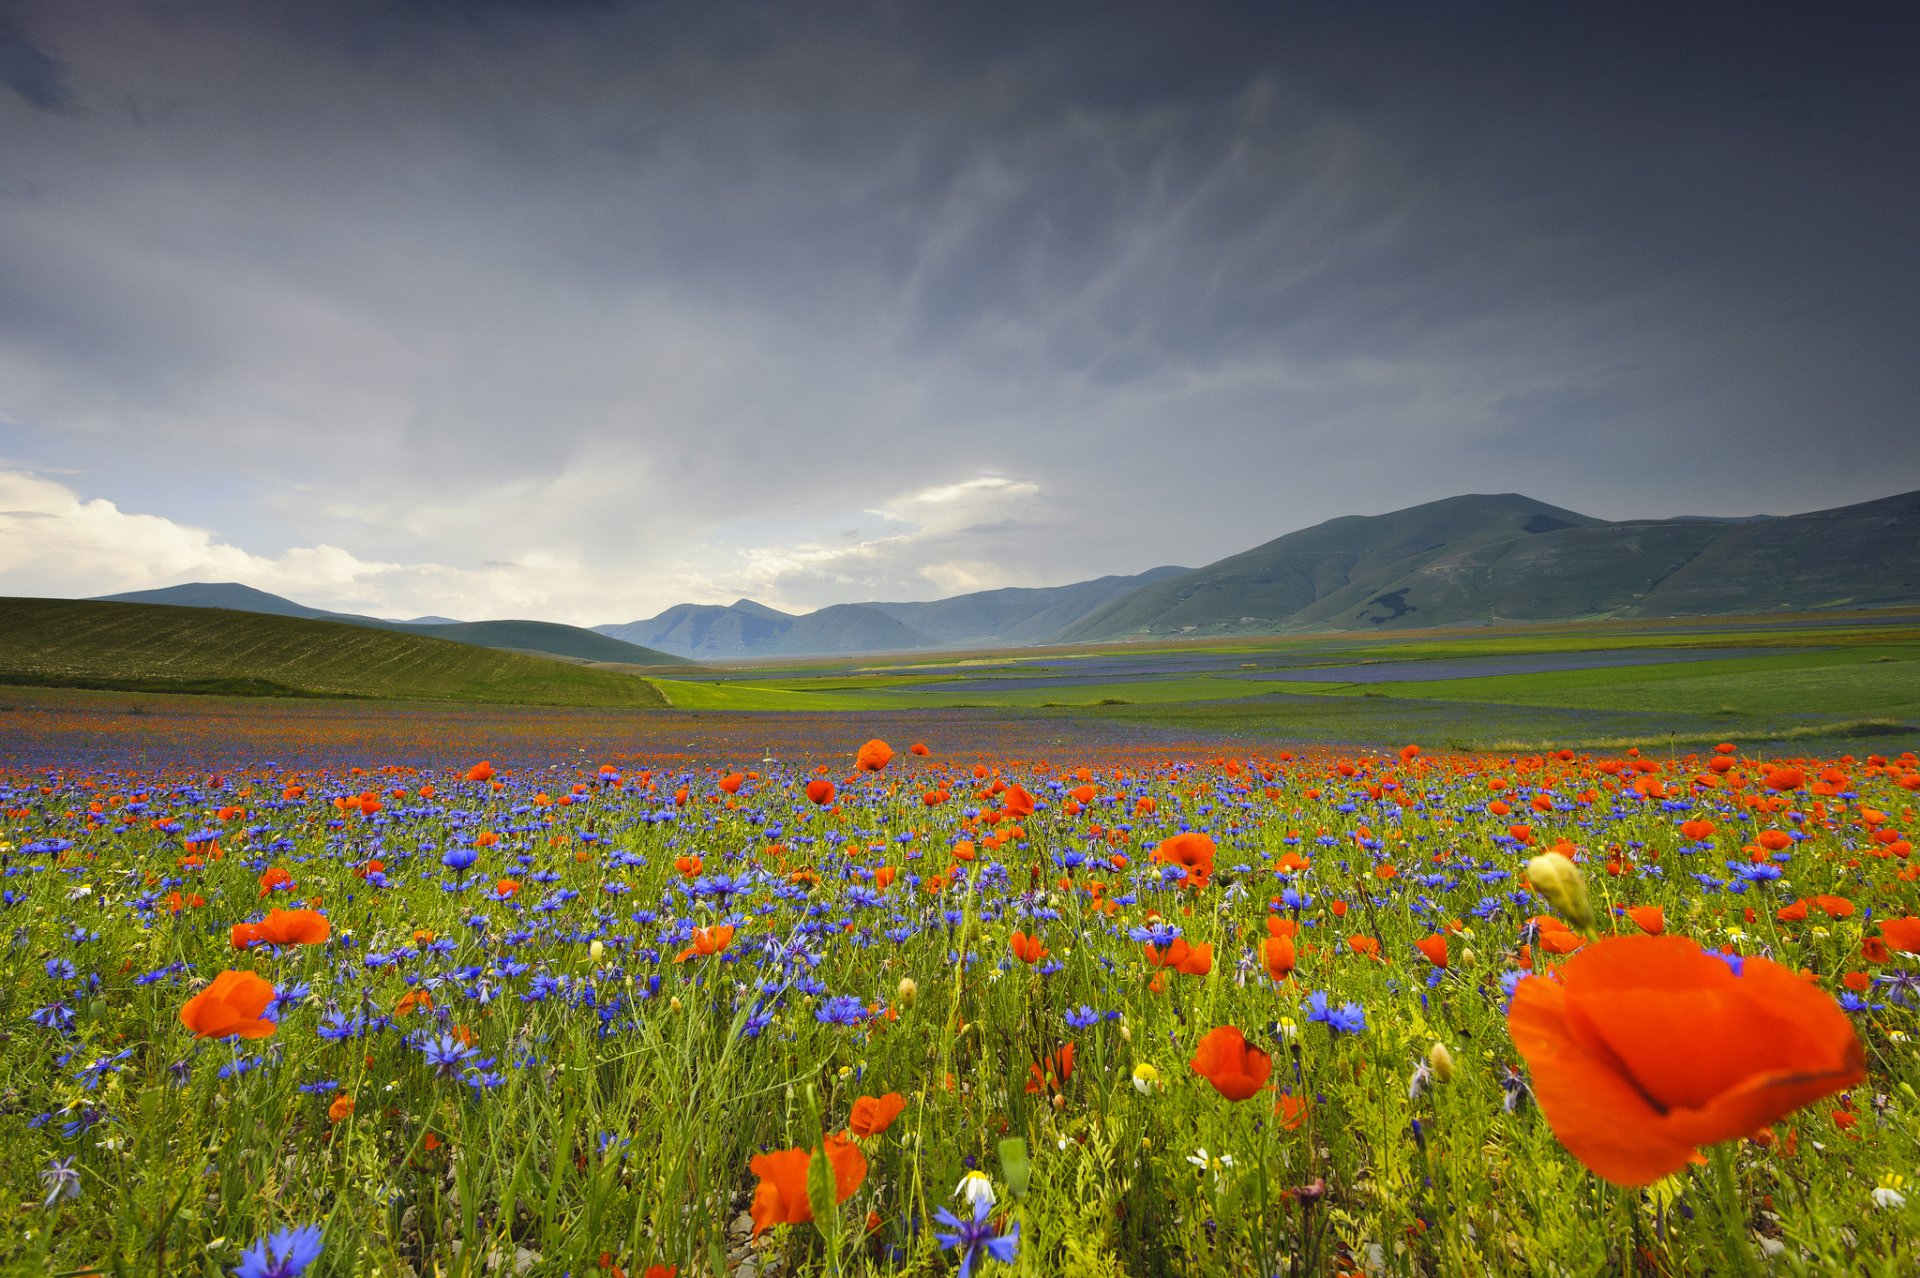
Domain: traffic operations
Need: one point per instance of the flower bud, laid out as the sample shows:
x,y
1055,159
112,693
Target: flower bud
x,y
596,950
1440,1061
907,993
674,1003
1559,880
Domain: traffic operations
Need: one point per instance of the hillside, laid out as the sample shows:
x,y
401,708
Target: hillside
x,y
1479,559
169,648
546,637
1016,615
986,618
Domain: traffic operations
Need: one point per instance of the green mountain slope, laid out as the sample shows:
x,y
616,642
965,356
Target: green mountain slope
x,y
546,637
537,637
1016,615
1351,557
1478,559
983,618
168,648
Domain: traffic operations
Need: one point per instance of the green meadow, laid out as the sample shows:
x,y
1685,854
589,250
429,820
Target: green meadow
x,y
1821,680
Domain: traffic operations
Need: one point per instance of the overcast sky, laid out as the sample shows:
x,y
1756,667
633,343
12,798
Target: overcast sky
x,y
576,311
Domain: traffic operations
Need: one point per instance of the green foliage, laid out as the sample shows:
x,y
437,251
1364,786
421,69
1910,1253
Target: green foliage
x,y
158,648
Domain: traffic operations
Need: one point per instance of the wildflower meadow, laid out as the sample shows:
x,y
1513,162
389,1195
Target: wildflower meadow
x,y
894,1007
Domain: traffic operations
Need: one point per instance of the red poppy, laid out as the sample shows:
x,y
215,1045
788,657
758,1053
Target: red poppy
x,y
230,1007
1280,956
707,941
1644,1047
874,1114
1193,852
284,927
1434,948
873,756
1017,802
1901,935
1650,919
820,791
1028,948
781,1196
1290,1110
1052,1073
1236,1070
1194,960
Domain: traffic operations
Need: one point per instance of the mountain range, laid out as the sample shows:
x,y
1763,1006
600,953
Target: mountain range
x,y
983,619
1470,560
545,638
1482,559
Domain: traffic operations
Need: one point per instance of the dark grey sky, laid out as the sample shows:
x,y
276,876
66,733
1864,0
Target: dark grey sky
x,y
579,310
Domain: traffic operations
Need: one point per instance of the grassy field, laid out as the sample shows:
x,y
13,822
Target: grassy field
x,y
1174,1013
1824,680
156,648
573,1012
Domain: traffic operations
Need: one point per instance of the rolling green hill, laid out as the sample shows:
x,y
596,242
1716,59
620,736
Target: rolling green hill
x,y
167,648
1486,559
540,637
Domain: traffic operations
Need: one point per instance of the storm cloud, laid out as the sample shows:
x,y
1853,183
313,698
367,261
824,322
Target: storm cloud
x,y
580,310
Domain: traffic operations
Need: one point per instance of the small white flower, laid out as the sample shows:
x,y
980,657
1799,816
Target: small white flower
x,y
1205,1162
1888,1196
1145,1078
975,1188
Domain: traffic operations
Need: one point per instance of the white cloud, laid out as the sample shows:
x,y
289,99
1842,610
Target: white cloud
x,y
55,542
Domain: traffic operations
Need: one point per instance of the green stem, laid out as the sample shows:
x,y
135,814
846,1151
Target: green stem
x,y
1739,1249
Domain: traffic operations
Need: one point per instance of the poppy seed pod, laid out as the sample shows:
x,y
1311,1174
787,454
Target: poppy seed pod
x,y
1559,880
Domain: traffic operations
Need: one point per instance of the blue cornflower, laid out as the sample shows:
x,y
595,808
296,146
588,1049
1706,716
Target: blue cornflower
x,y
284,1253
1156,934
1082,1016
1348,1017
445,1053
62,1180
483,1080
1902,986
287,996
842,1009
975,1236
722,887
53,1016
458,859
82,1121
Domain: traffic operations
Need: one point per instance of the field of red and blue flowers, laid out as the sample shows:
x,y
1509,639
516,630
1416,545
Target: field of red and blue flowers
x,y
816,1006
